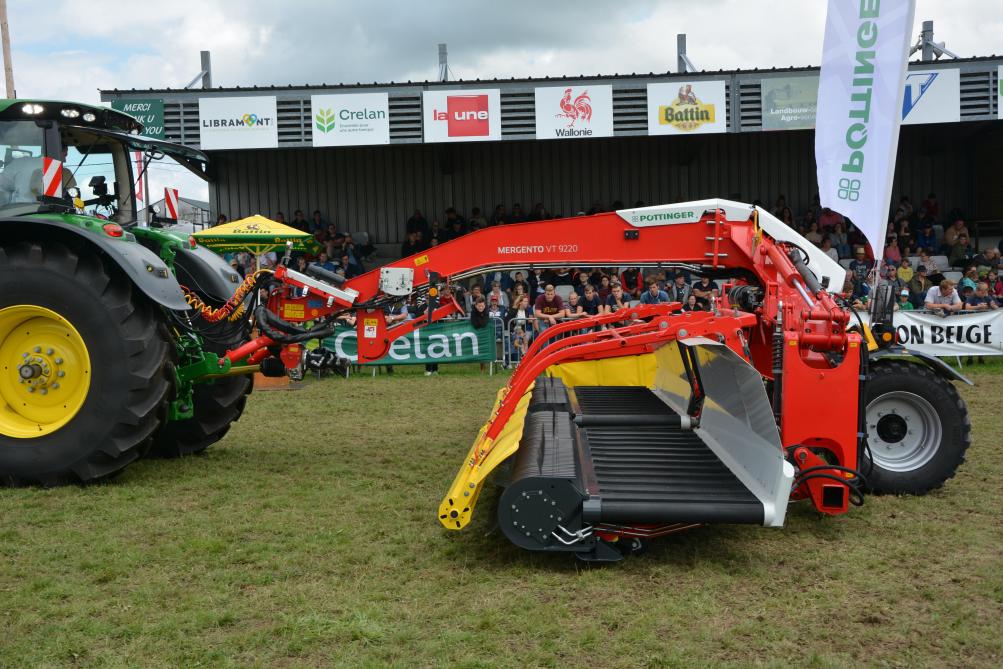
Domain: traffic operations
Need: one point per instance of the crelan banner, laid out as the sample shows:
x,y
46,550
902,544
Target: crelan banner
x,y
442,342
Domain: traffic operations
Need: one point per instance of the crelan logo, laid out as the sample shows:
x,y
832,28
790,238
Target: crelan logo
x,y
324,120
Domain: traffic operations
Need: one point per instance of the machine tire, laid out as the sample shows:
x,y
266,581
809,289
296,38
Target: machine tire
x,y
114,346
901,395
217,406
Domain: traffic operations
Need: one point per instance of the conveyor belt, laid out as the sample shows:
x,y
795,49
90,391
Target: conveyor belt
x,y
656,473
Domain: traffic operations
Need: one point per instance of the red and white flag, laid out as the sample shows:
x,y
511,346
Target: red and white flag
x,y
52,177
171,203
137,158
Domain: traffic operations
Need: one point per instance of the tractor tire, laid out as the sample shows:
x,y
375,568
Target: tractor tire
x,y
82,367
918,428
217,406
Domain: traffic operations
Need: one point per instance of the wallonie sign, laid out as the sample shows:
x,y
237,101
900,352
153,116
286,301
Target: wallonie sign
x,y
238,123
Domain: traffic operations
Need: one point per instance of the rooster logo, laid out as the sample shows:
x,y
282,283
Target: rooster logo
x,y
581,108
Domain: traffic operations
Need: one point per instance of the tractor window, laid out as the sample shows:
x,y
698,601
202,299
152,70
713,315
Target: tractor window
x,y
98,167
21,151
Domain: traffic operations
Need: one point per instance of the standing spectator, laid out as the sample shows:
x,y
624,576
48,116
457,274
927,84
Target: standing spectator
x,y
860,268
500,217
632,281
943,299
503,279
591,303
318,222
778,208
539,213
617,299
537,282
517,215
969,280
988,259
813,235
931,206
498,295
521,311
995,284
892,279
574,308
417,223
902,303
477,220
479,317
605,288
517,293
475,292
907,243
582,283
548,307
299,222
679,291
412,244
828,219
654,294
280,218
563,277
952,234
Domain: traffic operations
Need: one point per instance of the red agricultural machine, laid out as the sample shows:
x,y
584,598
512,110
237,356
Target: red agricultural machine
x,y
649,420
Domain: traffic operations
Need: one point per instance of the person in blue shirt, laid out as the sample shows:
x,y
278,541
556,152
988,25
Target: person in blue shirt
x,y
654,294
926,238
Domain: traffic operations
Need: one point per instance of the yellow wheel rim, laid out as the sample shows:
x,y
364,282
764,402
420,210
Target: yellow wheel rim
x,y
45,371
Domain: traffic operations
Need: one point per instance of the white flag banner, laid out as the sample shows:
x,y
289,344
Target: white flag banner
x,y
973,333
861,84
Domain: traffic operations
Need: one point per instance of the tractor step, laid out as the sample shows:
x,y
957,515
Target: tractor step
x,y
604,456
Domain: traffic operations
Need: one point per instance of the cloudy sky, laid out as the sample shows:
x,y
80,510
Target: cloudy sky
x,y
70,50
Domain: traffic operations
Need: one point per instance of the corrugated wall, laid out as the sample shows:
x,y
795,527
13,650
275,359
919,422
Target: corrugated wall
x,y
376,188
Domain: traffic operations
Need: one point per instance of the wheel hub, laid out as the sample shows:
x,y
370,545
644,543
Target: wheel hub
x,y
903,431
45,371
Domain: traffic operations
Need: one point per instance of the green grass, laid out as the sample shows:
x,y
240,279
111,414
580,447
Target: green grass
x,y
308,537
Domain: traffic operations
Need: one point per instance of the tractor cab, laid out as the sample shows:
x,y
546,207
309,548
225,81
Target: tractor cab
x,y
103,157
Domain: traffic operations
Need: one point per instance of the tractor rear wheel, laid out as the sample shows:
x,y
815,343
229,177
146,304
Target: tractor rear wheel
x,y
82,361
918,428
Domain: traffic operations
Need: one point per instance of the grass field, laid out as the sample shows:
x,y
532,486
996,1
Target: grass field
x,y
308,537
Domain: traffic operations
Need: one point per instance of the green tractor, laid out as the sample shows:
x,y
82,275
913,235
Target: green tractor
x,y
102,358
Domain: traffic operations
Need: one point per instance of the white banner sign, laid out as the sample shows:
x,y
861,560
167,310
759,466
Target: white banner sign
x,y
861,84
462,116
574,111
687,108
350,120
959,334
932,96
238,123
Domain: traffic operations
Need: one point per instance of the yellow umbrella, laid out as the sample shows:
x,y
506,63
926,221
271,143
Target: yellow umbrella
x,y
254,234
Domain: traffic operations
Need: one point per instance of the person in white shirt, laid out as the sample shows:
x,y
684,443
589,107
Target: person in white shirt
x,y
943,298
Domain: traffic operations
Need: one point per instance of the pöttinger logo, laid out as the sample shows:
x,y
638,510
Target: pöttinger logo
x,y
324,120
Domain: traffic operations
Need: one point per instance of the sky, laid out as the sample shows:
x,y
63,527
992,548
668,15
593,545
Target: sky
x,y
70,50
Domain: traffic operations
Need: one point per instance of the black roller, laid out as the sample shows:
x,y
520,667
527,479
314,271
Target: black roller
x,y
627,420
318,272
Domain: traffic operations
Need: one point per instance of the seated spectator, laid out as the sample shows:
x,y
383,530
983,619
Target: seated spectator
x,y
280,218
995,283
500,217
704,290
679,290
581,283
952,234
520,279
813,235
905,270
475,292
692,304
931,206
654,294
840,241
989,259
498,295
325,262
892,254
412,245
632,281
539,213
828,250
960,253
918,286
318,223
517,215
592,303
299,222
860,267
943,299
504,279
605,288
517,292
417,223
548,307
828,219
574,308
617,299
907,243
926,239
563,277
980,299
969,280
892,279
221,219
902,302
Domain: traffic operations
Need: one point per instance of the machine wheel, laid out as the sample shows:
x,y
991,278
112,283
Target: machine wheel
x,y
918,428
82,384
217,406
